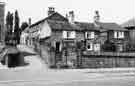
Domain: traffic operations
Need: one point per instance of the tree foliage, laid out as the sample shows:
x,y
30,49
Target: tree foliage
x,y
13,33
9,21
16,22
24,25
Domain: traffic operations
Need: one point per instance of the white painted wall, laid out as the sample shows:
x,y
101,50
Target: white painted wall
x,y
45,30
90,35
23,38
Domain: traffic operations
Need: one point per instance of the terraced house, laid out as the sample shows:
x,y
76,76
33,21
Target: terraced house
x,y
62,40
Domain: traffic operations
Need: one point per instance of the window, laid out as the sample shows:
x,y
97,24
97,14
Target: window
x,y
64,34
97,47
89,46
90,35
69,34
118,34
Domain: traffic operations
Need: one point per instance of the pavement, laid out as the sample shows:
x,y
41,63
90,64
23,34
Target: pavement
x,y
41,77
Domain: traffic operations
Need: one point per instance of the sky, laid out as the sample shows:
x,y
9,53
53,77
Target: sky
x,y
118,11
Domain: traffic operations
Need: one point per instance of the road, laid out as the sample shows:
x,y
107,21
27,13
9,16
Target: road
x,y
41,77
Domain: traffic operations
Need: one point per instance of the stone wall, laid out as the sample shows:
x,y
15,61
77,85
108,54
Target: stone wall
x,y
107,62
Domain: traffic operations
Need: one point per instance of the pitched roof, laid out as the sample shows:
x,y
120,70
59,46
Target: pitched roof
x,y
87,26
51,17
62,25
111,26
129,23
58,22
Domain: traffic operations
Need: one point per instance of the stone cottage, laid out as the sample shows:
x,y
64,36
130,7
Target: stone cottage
x,y
63,40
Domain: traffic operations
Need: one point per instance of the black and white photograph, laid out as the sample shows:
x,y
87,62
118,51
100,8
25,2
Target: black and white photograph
x,y
67,43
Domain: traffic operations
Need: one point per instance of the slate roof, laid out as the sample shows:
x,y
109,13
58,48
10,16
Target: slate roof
x,y
111,26
86,26
61,23
47,18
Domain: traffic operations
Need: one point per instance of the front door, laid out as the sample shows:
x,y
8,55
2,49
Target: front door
x,y
58,57
57,46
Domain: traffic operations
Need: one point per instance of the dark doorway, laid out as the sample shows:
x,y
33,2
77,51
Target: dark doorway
x,y
57,46
15,59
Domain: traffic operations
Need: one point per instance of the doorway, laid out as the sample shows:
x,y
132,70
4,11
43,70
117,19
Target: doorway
x,y
58,46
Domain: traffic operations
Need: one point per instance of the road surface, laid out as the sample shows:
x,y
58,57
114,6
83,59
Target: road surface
x,y
41,77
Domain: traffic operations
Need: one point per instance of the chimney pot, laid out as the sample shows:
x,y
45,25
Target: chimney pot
x,y
71,17
29,21
96,17
51,10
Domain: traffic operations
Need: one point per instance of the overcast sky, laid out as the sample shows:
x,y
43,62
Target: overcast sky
x,y
117,11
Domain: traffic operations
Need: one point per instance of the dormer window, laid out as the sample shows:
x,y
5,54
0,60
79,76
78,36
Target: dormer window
x,y
118,34
69,34
90,35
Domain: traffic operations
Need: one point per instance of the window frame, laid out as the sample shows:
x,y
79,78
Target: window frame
x,y
90,35
69,34
119,34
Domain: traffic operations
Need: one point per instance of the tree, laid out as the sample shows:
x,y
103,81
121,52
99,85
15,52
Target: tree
x,y
9,26
16,27
16,22
9,22
7,18
11,18
24,26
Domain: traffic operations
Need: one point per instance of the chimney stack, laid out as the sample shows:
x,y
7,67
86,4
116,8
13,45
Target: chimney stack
x,y
71,17
96,17
29,21
51,10
67,16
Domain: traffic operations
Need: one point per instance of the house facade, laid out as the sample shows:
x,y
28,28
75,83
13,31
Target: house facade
x,y
130,26
63,40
